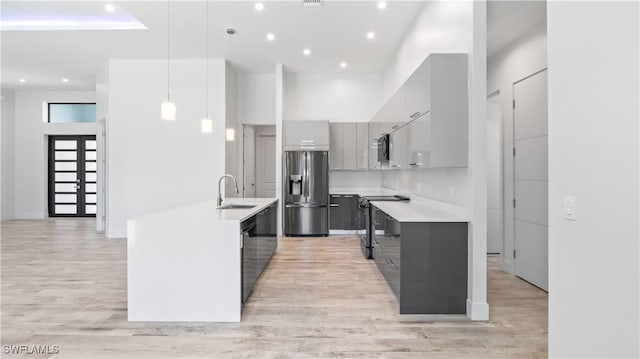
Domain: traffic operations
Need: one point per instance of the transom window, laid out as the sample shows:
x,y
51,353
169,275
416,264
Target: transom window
x,y
71,112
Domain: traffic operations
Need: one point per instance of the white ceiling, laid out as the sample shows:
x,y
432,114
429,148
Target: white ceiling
x,y
508,20
334,32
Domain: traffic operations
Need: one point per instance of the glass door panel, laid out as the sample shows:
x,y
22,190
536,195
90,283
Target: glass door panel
x,y
72,176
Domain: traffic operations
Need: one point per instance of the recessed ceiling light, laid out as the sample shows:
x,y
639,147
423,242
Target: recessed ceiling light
x,y
306,52
259,6
382,5
343,65
371,35
65,80
110,8
271,37
22,80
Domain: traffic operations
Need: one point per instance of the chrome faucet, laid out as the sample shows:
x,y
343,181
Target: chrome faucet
x,y
220,189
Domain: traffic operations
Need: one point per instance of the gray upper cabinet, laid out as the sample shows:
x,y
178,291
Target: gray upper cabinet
x,y
375,131
306,135
349,146
428,116
419,153
362,146
449,110
335,149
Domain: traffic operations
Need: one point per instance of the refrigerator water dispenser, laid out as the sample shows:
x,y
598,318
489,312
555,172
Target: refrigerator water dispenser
x,y
295,185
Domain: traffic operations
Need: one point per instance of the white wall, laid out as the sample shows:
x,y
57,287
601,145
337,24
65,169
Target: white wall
x,y
31,130
256,99
355,179
453,26
335,97
7,172
155,164
524,56
594,87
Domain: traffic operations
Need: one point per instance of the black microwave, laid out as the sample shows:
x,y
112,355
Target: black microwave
x,y
383,148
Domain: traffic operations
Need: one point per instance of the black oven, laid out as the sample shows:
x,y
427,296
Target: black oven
x,y
383,148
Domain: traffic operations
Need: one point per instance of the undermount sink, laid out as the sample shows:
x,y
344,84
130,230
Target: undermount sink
x,y
236,206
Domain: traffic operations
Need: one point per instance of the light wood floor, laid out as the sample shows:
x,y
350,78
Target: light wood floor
x,y
65,285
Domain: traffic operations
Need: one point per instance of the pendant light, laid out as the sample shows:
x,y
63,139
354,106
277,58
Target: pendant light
x,y
168,110
206,125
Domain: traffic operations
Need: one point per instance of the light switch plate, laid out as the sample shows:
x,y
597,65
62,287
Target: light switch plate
x,y
570,208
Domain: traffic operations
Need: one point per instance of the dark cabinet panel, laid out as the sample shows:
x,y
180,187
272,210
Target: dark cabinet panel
x,y
260,241
249,257
425,264
266,222
337,212
345,213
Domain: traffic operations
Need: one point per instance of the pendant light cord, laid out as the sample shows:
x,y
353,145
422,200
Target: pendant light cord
x,y
206,59
168,51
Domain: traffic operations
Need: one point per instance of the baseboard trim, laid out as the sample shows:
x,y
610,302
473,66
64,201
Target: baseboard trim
x,y
477,311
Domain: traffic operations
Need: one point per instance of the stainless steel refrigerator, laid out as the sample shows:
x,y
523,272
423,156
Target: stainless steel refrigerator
x,y
306,193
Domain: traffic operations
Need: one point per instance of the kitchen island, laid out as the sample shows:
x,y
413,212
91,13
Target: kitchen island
x,y
186,264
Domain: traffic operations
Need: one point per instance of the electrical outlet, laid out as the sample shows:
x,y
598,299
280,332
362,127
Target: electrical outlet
x,y
570,208
451,191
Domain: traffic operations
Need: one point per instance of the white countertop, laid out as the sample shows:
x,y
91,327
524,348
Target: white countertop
x,y
208,209
419,209
418,212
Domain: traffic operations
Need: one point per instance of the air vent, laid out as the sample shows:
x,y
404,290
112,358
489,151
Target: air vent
x,y
311,3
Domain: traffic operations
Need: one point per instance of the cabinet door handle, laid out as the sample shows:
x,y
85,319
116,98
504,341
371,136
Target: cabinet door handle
x,y
334,205
347,196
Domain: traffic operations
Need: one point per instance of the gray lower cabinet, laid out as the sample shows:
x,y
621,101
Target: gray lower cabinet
x,y
344,212
425,264
259,242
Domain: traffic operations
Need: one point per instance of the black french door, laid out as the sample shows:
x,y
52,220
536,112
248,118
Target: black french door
x,y
72,176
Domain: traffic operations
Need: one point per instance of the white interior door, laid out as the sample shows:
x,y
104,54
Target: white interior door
x,y
266,162
249,162
531,179
494,175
